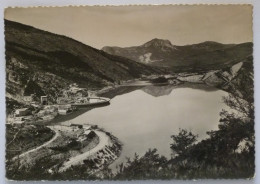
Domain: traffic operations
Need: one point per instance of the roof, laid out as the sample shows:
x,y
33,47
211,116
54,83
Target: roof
x,y
28,95
23,109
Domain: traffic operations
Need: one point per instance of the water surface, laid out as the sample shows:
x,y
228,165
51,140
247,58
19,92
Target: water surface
x,y
147,117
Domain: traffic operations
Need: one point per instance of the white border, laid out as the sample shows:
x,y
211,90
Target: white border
x,y
24,3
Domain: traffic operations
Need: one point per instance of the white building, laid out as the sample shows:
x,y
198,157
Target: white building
x,y
22,112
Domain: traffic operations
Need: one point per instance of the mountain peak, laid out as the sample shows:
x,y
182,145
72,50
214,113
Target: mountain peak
x,y
158,43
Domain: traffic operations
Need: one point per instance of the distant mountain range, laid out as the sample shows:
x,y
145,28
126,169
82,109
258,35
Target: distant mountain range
x,y
203,56
51,62
41,62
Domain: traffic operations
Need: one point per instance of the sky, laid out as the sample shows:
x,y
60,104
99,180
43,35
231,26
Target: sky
x,y
125,26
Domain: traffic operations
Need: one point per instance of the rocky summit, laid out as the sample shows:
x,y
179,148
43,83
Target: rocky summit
x,y
196,57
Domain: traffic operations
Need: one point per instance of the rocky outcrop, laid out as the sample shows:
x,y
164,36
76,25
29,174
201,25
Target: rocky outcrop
x,y
222,77
213,79
231,79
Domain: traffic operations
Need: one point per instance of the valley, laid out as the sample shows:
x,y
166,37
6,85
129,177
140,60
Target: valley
x,y
48,75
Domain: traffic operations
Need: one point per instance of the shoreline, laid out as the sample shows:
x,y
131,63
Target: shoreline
x,y
118,90
59,119
98,158
101,143
104,141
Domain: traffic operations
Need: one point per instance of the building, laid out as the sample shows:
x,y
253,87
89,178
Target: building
x,y
62,100
78,92
19,122
35,104
44,100
76,125
29,99
47,110
64,109
22,112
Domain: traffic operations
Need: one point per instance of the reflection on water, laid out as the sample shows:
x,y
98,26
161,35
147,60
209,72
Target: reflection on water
x,y
157,91
147,117
161,90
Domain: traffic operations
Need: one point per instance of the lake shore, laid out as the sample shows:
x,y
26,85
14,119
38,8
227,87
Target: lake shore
x,y
111,92
120,90
156,90
79,144
164,101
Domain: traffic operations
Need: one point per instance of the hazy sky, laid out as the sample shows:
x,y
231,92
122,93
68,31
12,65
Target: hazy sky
x,y
135,25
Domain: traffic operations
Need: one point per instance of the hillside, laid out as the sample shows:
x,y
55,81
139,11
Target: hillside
x,y
50,62
197,57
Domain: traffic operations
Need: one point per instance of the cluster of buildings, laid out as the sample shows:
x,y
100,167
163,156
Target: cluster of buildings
x,y
43,111
73,94
35,111
33,115
30,100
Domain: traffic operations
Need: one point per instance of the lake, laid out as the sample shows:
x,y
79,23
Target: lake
x,y
146,117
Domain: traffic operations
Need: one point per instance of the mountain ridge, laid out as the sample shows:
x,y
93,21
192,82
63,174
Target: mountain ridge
x,y
32,53
162,53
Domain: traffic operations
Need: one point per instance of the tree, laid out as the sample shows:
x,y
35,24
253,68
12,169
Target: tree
x,y
235,127
150,166
183,141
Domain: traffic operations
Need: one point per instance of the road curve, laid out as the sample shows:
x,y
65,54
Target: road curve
x,y
103,141
41,146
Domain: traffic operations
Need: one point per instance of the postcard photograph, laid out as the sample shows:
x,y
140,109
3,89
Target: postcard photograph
x,y
157,92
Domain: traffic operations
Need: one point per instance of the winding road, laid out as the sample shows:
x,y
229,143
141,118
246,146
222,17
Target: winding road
x,y
41,146
103,141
